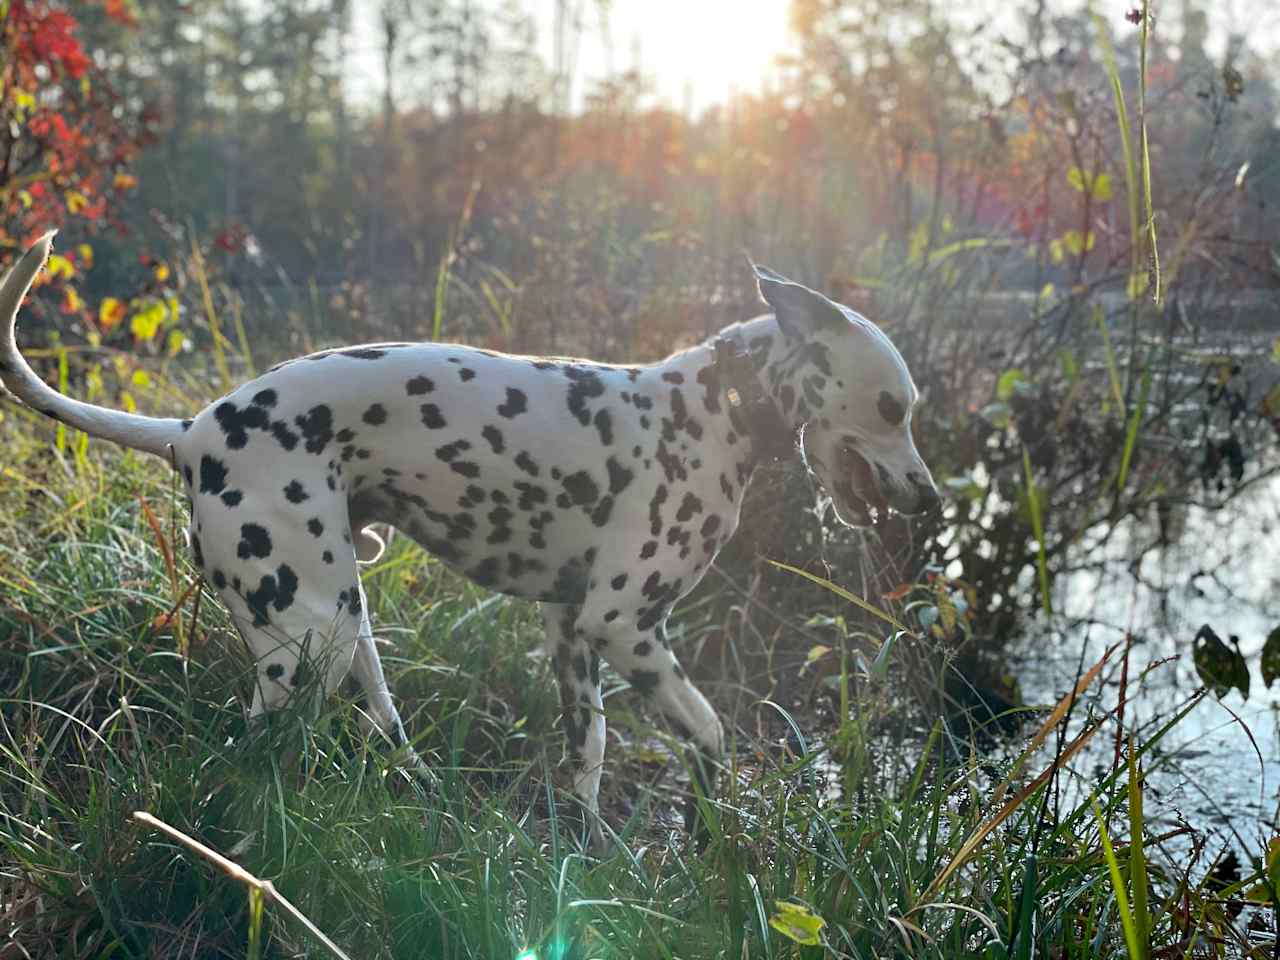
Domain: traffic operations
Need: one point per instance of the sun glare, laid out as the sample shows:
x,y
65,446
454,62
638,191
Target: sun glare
x,y
698,52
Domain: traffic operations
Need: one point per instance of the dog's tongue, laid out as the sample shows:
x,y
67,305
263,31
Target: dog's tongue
x,y
864,484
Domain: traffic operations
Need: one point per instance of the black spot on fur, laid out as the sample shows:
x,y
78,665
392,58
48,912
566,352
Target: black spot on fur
x,y
294,492
265,398
317,427
494,436
585,385
619,476
232,498
526,463
362,353
688,507
466,373
655,509
449,452
213,475
376,415
236,423
275,671
600,515
315,527
284,436
619,581
419,386
431,416
581,488
516,403
604,424
254,542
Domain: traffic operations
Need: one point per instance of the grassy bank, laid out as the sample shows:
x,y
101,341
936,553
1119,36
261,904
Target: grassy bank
x,y
125,691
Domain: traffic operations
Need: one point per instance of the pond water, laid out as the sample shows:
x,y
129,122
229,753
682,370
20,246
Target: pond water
x,y
1213,566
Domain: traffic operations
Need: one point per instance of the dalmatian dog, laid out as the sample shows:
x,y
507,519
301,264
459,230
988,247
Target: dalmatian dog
x,y
603,491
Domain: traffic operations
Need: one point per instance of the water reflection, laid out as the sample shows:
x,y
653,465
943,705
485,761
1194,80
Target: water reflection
x,y
1161,578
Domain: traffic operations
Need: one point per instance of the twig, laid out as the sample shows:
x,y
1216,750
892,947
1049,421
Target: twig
x,y
237,872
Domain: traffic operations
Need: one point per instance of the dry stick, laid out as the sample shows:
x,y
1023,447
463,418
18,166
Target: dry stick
x,y
237,872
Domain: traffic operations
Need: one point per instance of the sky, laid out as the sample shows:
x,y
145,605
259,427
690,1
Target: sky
x,y
697,52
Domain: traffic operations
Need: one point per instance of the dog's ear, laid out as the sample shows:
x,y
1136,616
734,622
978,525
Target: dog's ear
x,y
801,312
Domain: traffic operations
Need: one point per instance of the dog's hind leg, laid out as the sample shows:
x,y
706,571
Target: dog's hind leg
x,y
366,668
292,588
577,669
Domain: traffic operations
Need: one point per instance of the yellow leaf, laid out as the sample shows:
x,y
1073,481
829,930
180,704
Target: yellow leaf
x,y
141,379
25,197
161,271
146,325
130,405
175,343
124,181
1098,186
25,104
1077,242
1137,285
85,253
1055,251
71,302
816,652
60,266
76,201
110,312
797,923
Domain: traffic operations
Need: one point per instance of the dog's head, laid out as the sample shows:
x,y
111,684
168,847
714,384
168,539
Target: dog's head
x,y
854,398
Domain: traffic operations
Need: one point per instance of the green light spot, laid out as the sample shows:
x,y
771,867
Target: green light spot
x,y
527,955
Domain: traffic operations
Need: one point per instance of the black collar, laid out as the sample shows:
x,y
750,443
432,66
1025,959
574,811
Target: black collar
x,y
772,439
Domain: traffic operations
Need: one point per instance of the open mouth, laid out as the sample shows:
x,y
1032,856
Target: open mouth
x,y
861,493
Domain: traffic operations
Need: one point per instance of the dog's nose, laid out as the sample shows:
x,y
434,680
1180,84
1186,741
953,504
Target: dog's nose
x,y
927,499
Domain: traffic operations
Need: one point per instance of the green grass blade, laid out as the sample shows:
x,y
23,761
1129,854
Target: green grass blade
x,y
844,594
1037,527
1137,856
1131,435
1131,940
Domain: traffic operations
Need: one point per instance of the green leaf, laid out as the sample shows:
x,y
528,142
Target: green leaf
x,y
1078,242
1221,668
1265,891
1271,657
1008,382
1070,367
797,922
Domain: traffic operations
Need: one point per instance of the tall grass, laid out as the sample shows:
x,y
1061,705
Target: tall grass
x,y
853,841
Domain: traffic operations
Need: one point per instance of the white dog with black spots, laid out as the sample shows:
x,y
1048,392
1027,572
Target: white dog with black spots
x,y
602,491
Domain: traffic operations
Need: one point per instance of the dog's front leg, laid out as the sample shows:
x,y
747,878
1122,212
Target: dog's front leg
x,y
577,669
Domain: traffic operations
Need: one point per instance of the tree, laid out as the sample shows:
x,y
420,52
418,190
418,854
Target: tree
x,y
67,138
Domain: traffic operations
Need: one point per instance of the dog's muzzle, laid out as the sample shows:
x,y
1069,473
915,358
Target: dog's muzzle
x,y
870,491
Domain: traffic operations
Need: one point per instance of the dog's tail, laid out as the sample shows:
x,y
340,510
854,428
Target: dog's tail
x,y
141,433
